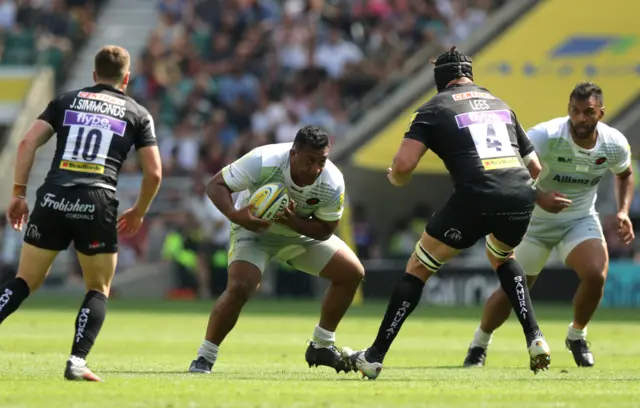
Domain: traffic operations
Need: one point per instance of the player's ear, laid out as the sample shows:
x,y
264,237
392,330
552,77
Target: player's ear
x,y
125,80
95,76
601,113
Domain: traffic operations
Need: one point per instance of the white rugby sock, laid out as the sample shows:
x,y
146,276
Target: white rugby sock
x,y
209,351
481,339
576,334
323,338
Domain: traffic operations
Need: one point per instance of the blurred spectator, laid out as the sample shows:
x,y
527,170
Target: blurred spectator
x,y
212,253
180,248
229,75
363,233
45,32
403,240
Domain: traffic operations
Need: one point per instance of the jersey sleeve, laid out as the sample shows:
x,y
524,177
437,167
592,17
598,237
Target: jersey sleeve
x,y
539,138
49,114
421,124
332,211
146,134
622,160
244,172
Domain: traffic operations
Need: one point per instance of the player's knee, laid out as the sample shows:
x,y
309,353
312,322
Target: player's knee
x,y
427,261
496,255
241,290
594,275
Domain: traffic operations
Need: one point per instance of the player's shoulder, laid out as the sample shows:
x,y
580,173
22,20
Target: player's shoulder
x,y
611,136
272,154
553,129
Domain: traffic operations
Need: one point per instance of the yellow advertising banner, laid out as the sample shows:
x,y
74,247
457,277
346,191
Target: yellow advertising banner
x,y
534,65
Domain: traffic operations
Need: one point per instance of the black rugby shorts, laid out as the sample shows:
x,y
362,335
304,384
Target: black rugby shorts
x,y
86,216
462,221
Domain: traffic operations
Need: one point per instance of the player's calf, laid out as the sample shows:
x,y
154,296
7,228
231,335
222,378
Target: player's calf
x,y
98,271
345,272
34,266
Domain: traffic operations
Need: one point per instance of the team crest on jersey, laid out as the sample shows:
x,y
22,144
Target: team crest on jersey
x,y
601,160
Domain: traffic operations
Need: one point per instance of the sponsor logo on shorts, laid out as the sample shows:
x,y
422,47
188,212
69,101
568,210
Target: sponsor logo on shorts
x,y
313,201
97,245
33,233
473,118
94,120
82,167
75,211
453,234
500,163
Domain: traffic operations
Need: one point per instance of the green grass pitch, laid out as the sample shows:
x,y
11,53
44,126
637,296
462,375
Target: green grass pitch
x,y
145,349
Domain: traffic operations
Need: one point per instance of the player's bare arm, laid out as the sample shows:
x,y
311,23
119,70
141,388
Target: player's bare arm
x,y
131,220
311,227
220,195
405,161
624,195
37,135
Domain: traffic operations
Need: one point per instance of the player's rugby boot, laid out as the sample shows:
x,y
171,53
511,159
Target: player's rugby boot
x,y
581,353
200,366
540,355
476,357
367,365
77,370
327,356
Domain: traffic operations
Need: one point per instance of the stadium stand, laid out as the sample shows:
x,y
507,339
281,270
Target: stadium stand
x,y
45,32
225,76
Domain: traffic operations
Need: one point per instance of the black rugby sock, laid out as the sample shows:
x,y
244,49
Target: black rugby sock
x,y
405,298
12,294
514,283
88,323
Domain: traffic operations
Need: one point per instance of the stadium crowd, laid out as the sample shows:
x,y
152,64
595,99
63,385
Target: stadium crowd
x,y
223,76
45,32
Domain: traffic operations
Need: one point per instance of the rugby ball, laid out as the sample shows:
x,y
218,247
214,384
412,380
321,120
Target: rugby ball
x,y
269,200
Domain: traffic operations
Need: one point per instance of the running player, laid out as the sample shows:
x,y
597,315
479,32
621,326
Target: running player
x,y
490,160
95,127
302,237
575,152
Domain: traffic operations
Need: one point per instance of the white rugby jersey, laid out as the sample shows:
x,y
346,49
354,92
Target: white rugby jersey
x,y
270,164
569,169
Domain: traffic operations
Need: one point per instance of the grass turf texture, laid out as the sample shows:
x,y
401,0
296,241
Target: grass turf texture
x,y
145,349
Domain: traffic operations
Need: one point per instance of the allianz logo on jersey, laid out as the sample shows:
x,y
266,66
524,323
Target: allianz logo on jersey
x,y
96,121
574,180
473,118
76,211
